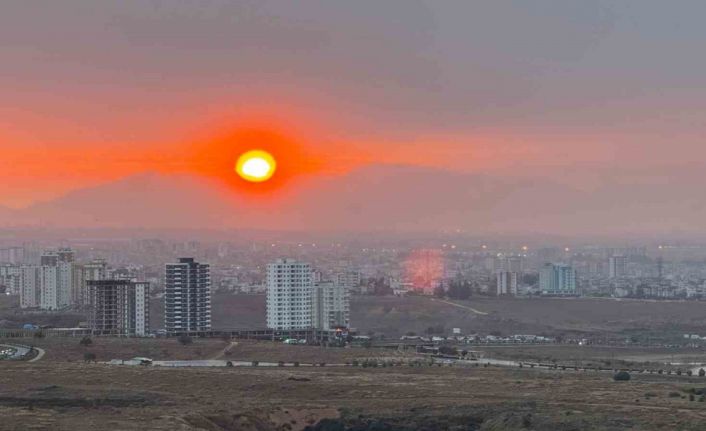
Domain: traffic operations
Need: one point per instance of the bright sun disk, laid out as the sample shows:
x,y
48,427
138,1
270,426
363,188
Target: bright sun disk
x,y
256,166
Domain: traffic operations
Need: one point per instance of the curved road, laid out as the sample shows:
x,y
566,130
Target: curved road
x,y
22,351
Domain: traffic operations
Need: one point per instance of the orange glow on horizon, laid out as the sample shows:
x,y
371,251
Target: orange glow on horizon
x,y
214,158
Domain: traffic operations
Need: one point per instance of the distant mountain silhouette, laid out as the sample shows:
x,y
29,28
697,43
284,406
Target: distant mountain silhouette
x,y
379,197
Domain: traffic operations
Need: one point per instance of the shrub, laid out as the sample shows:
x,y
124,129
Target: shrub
x,y
86,341
229,364
296,364
691,397
702,372
674,395
89,357
323,364
280,364
621,376
689,373
355,363
185,340
255,363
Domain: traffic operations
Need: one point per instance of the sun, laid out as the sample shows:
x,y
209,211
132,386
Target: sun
x,y
256,166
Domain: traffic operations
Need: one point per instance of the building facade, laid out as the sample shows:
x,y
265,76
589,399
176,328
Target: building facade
x,y
289,295
30,287
187,298
94,270
330,306
557,279
11,278
506,283
617,266
118,307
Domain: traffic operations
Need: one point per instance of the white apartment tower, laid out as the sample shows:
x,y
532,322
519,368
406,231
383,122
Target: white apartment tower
x,y
30,291
557,279
289,295
617,266
56,279
506,283
330,306
187,304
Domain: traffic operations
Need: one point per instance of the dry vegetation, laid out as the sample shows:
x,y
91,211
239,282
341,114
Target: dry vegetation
x,y
74,396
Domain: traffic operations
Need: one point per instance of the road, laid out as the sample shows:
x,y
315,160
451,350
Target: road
x,y
22,351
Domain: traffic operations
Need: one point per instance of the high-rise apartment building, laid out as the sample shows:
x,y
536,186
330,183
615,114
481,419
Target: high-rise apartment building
x,y
30,287
118,307
617,266
289,295
12,255
187,299
330,306
506,283
97,269
11,278
557,279
56,279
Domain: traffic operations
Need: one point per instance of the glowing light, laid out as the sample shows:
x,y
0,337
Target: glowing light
x,y
256,166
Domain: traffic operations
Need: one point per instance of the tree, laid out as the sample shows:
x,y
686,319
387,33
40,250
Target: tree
x,y
185,340
702,372
621,376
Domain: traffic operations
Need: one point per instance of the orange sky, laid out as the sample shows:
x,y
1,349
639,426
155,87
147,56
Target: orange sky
x,y
577,92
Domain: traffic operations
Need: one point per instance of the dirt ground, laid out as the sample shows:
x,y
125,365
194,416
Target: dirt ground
x,y
67,349
395,316
76,396
598,355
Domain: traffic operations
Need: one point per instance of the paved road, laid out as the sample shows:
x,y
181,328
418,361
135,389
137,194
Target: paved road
x,y
22,351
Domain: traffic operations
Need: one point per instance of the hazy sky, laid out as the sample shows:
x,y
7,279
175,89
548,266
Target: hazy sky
x,y
584,92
